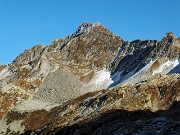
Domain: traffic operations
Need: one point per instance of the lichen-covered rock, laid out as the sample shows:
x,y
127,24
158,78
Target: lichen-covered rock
x,y
92,80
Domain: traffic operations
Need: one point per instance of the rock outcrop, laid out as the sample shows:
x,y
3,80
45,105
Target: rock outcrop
x,y
90,49
93,82
77,116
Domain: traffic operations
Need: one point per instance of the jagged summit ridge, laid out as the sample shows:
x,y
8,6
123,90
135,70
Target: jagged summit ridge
x,y
80,55
74,73
140,56
82,28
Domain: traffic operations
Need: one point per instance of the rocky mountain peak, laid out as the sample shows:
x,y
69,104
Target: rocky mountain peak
x,y
170,35
96,24
77,79
84,27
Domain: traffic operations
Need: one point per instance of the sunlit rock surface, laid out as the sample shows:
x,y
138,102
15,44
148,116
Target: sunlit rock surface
x,y
93,82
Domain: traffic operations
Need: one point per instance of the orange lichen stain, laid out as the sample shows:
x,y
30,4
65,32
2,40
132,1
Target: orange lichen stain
x,y
37,82
101,63
23,73
25,84
1,68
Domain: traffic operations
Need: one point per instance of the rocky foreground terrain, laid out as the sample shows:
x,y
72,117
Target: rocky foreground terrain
x,y
93,82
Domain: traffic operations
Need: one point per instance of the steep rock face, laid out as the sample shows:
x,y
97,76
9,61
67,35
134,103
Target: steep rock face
x,y
91,48
63,86
145,57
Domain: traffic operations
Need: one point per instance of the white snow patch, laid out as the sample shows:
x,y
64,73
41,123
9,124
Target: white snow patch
x,y
166,67
144,69
100,77
118,78
4,73
101,80
130,74
141,72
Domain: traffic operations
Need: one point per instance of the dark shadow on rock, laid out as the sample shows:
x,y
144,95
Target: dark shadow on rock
x,y
141,122
27,132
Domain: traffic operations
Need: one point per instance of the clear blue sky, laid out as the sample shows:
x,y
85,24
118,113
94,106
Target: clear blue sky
x,y
24,23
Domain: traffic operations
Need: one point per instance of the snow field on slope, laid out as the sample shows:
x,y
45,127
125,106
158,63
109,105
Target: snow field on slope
x,y
141,74
101,77
166,67
100,80
176,69
132,76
